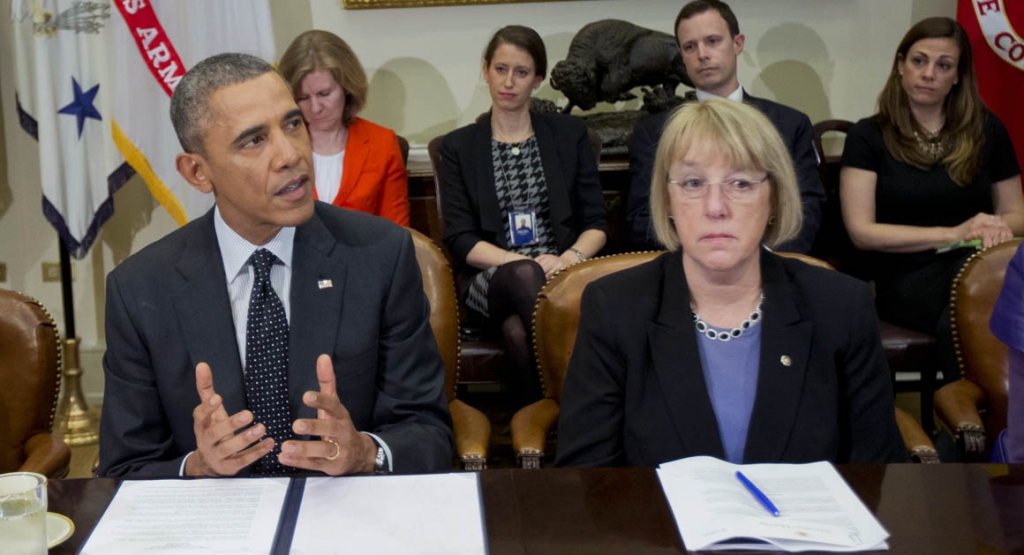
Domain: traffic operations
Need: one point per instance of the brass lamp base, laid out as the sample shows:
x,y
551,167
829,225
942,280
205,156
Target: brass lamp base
x,y
75,422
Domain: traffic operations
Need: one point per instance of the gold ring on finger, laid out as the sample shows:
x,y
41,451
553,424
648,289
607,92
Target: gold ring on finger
x,y
337,449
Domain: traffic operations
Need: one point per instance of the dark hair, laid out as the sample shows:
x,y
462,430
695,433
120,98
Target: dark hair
x,y
190,104
697,7
965,111
321,50
521,37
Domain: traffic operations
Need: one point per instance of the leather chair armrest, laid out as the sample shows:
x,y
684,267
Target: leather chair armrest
x,y
47,455
919,445
472,435
958,405
530,427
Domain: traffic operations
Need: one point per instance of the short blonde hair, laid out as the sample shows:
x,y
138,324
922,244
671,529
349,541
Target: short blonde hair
x,y
748,139
313,51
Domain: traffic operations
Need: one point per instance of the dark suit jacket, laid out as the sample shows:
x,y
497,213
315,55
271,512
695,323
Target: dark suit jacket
x,y
471,212
635,394
168,309
798,135
373,176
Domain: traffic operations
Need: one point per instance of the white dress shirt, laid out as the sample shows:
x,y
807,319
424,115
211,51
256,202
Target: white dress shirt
x,y
235,252
736,95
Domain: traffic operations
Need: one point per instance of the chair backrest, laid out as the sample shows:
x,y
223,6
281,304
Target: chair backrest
x,y
832,243
439,286
557,315
30,368
434,150
984,359
403,146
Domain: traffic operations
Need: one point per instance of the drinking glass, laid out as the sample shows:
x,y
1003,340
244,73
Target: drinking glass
x,y
23,513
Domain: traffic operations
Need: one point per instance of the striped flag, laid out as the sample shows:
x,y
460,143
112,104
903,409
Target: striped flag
x,y
999,59
94,81
154,44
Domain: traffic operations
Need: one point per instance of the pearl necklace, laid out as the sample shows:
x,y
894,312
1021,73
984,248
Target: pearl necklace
x,y
745,325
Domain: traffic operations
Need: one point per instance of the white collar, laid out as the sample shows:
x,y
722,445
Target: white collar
x,y
235,250
736,95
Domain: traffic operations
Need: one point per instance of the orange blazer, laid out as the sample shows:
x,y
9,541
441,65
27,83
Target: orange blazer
x,y
373,177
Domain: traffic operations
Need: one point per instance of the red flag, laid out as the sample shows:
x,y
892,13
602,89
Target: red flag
x,y
999,59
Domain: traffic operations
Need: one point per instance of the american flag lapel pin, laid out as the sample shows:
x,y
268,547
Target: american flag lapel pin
x,y
324,284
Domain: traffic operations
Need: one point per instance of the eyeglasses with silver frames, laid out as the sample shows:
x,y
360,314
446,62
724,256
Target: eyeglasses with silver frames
x,y
734,189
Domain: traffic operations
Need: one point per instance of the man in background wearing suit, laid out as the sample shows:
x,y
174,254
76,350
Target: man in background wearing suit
x,y
710,41
274,333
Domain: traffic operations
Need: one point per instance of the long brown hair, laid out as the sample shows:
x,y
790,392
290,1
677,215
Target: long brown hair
x,y
964,109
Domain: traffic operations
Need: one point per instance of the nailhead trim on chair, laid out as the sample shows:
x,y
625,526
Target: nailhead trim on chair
x,y
958,349
458,319
536,304
60,353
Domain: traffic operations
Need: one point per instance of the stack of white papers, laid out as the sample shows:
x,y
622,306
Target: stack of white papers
x,y
817,509
437,513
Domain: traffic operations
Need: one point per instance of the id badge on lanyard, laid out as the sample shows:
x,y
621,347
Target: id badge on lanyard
x,y
522,228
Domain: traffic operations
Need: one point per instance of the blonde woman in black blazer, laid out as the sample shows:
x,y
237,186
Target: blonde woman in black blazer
x,y
720,347
521,198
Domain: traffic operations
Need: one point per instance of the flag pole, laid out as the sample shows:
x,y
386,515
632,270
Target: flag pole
x,y
75,422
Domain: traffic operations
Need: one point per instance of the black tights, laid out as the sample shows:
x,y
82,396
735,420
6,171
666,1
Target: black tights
x,y
511,297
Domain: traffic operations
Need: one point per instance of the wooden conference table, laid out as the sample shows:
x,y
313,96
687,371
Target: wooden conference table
x,y
945,508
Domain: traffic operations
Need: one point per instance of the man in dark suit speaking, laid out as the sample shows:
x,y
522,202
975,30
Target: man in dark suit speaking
x,y
274,333
710,41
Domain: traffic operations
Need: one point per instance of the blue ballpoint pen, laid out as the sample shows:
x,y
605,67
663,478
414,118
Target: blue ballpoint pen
x,y
758,494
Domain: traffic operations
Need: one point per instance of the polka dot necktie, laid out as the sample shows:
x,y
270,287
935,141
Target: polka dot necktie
x,y
266,361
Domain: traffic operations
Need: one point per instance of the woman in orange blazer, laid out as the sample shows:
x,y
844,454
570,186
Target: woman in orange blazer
x,y
358,164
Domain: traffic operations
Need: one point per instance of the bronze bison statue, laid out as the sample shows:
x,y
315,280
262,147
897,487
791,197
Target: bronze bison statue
x,y
608,58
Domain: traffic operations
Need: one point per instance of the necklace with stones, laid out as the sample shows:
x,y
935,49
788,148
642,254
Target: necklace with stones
x,y
934,147
930,141
704,328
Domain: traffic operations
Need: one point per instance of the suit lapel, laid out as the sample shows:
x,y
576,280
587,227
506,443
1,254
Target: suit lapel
x,y
673,345
357,149
318,287
490,212
785,337
558,194
204,314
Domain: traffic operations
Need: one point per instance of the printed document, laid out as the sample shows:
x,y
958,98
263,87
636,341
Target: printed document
x,y
234,515
818,510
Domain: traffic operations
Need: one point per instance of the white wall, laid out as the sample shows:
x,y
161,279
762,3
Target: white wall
x,y
826,57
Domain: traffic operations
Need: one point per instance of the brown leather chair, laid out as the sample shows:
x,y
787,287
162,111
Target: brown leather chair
x,y
906,350
30,369
974,407
472,429
556,321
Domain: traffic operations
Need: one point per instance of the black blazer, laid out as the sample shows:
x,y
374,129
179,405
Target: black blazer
x,y
798,135
471,212
635,394
168,309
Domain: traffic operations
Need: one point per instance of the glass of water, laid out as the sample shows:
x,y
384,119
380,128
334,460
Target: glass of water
x,y
23,513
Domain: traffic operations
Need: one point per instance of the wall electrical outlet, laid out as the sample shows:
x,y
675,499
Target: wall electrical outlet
x,y
51,271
